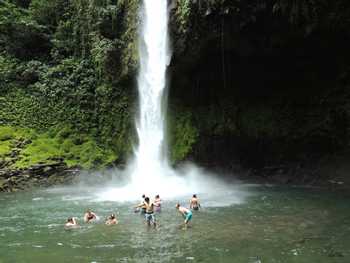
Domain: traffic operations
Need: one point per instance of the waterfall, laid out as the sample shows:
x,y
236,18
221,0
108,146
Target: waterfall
x,y
149,171
151,159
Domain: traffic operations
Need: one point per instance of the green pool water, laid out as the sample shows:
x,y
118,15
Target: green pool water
x,y
274,224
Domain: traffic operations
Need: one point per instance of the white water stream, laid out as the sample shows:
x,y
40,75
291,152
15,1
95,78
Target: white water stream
x,y
150,171
151,168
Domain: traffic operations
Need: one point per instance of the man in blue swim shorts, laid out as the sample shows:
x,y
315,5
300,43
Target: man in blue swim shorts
x,y
186,213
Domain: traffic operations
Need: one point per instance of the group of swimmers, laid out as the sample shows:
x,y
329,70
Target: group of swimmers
x,y
146,207
89,217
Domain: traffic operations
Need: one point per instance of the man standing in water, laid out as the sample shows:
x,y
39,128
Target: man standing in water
x,y
194,203
186,213
149,214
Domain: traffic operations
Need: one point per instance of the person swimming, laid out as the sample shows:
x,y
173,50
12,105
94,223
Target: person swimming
x,y
112,220
71,223
157,204
194,203
185,212
149,214
89,216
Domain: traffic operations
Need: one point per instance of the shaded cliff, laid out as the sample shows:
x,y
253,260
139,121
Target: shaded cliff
x,y
267,82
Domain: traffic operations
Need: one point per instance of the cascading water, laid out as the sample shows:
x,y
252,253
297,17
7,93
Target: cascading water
x,y
150,171
151,162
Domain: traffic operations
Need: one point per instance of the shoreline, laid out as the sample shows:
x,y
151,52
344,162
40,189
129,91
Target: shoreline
x,y
47,175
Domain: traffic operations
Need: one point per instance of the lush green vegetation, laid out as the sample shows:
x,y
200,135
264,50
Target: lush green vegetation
x,y
183,134
22,148
68,64
268,78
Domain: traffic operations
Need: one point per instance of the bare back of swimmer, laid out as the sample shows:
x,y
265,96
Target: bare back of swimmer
x,y
194,203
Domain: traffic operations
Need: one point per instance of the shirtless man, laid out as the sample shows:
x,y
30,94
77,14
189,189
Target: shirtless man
x,y
194,203
112,220
149,213
186,213
71,223
89,216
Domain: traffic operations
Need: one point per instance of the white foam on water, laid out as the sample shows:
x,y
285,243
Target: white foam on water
x,y
211,190
37,198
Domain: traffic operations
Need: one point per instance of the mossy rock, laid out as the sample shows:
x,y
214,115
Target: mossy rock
x,y
3,183
6,133
28,148
5,148
183,135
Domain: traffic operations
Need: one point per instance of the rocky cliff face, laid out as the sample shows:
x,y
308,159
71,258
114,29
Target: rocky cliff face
x,y
39,175
267,81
